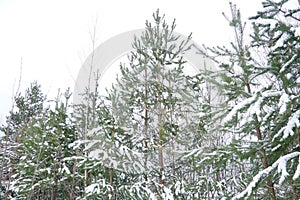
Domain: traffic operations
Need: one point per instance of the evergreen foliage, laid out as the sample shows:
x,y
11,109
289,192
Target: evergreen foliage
x,y
160,133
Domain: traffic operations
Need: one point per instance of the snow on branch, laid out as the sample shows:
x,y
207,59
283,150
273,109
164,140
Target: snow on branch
x,y
288,129
293,122
280,164
284,66
254,102
97,188
238,107
297,173
283,101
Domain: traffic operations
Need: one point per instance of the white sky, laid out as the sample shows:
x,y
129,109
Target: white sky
x,y
53,37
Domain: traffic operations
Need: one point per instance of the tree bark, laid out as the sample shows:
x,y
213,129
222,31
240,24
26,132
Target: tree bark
x,y
160,128
111,173
146,122
264,158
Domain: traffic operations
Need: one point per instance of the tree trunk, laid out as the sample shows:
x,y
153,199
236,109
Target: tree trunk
x,y
146,121
111,172
111,181
160,126
73,178
264,158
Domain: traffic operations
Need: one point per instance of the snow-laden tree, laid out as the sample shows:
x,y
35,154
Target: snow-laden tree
x,y
157,105
159,134
259,79
277,107
42,171
26,108
150,118
40,136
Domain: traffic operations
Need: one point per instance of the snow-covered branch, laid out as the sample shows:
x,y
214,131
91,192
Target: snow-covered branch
x,y
280,164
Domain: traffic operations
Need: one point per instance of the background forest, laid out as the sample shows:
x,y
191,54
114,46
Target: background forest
x,y
228,133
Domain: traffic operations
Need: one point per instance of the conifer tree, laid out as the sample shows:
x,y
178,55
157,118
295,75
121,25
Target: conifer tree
x,y
260,83
42,171
27,108
157,105
40,137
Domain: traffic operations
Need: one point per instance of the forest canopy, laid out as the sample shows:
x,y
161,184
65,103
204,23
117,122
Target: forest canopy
x,y
159,133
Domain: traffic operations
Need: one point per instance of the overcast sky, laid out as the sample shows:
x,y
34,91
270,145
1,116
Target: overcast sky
x,y
52,38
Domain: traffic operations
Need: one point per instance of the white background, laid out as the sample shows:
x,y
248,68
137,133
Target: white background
x,y
52,38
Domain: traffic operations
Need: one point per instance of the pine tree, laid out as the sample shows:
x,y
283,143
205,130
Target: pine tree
x,y
38,138
260,83
151,113
157,105
276,28
42,170
27,108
